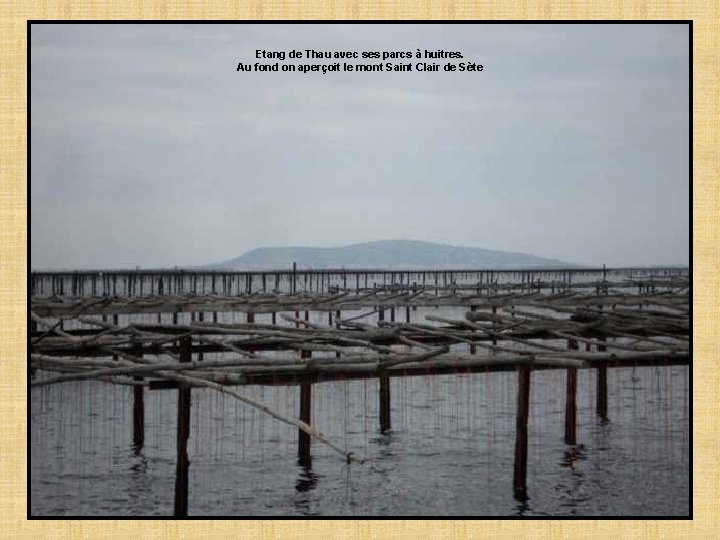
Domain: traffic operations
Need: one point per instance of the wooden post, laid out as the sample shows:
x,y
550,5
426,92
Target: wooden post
x,y
138,408
571,406
521,433
602,386
183,433
473,348
304,440
384,400
494,339
201,318
115,323
602,392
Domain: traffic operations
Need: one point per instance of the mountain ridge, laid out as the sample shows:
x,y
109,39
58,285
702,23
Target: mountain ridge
x,y
381,254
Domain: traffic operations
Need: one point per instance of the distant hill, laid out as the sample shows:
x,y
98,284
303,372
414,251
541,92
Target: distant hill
x,y
386,254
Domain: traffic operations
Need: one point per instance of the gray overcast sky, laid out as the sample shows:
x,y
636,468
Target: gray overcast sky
x,y
148,148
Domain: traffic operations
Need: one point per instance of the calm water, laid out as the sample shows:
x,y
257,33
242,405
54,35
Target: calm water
x,y
450,452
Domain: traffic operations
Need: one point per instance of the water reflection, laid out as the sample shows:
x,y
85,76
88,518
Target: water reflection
x,y
451,452
308,479
522,508
572,455
306,482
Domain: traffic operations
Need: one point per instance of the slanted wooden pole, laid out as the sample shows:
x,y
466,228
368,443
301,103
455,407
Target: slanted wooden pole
x,y
138,408
183,433
571,406
384,400
521,433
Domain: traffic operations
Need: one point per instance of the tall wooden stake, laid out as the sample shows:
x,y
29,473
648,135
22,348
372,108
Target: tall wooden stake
x,y
602,392
521,433
138,409
571,406
384,400
473,348
304,440
183,433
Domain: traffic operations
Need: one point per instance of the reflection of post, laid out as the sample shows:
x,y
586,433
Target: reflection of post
x,y
384,400
571,406
138,408
183,433
523,408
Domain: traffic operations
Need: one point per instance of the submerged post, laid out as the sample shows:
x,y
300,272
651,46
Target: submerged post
x,y
384,400
521,433
138,408
294,278
571,406
602,386
304,440
183,433
602,392
473,348
494,339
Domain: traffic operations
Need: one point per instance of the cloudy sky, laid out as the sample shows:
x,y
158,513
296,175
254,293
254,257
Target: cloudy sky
x,y
150,149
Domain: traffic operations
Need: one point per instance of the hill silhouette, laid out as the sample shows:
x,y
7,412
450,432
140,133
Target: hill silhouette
x,y
389,254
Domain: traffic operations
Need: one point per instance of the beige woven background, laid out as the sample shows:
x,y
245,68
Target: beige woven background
x,y
13,267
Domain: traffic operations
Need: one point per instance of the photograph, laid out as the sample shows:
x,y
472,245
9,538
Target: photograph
x,y
359,269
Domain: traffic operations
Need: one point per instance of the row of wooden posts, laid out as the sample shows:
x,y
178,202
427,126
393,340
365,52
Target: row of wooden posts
x,y
139,283
384,395
384,374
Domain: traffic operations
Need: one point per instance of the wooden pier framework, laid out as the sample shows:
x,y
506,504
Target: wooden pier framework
x,y
517,326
